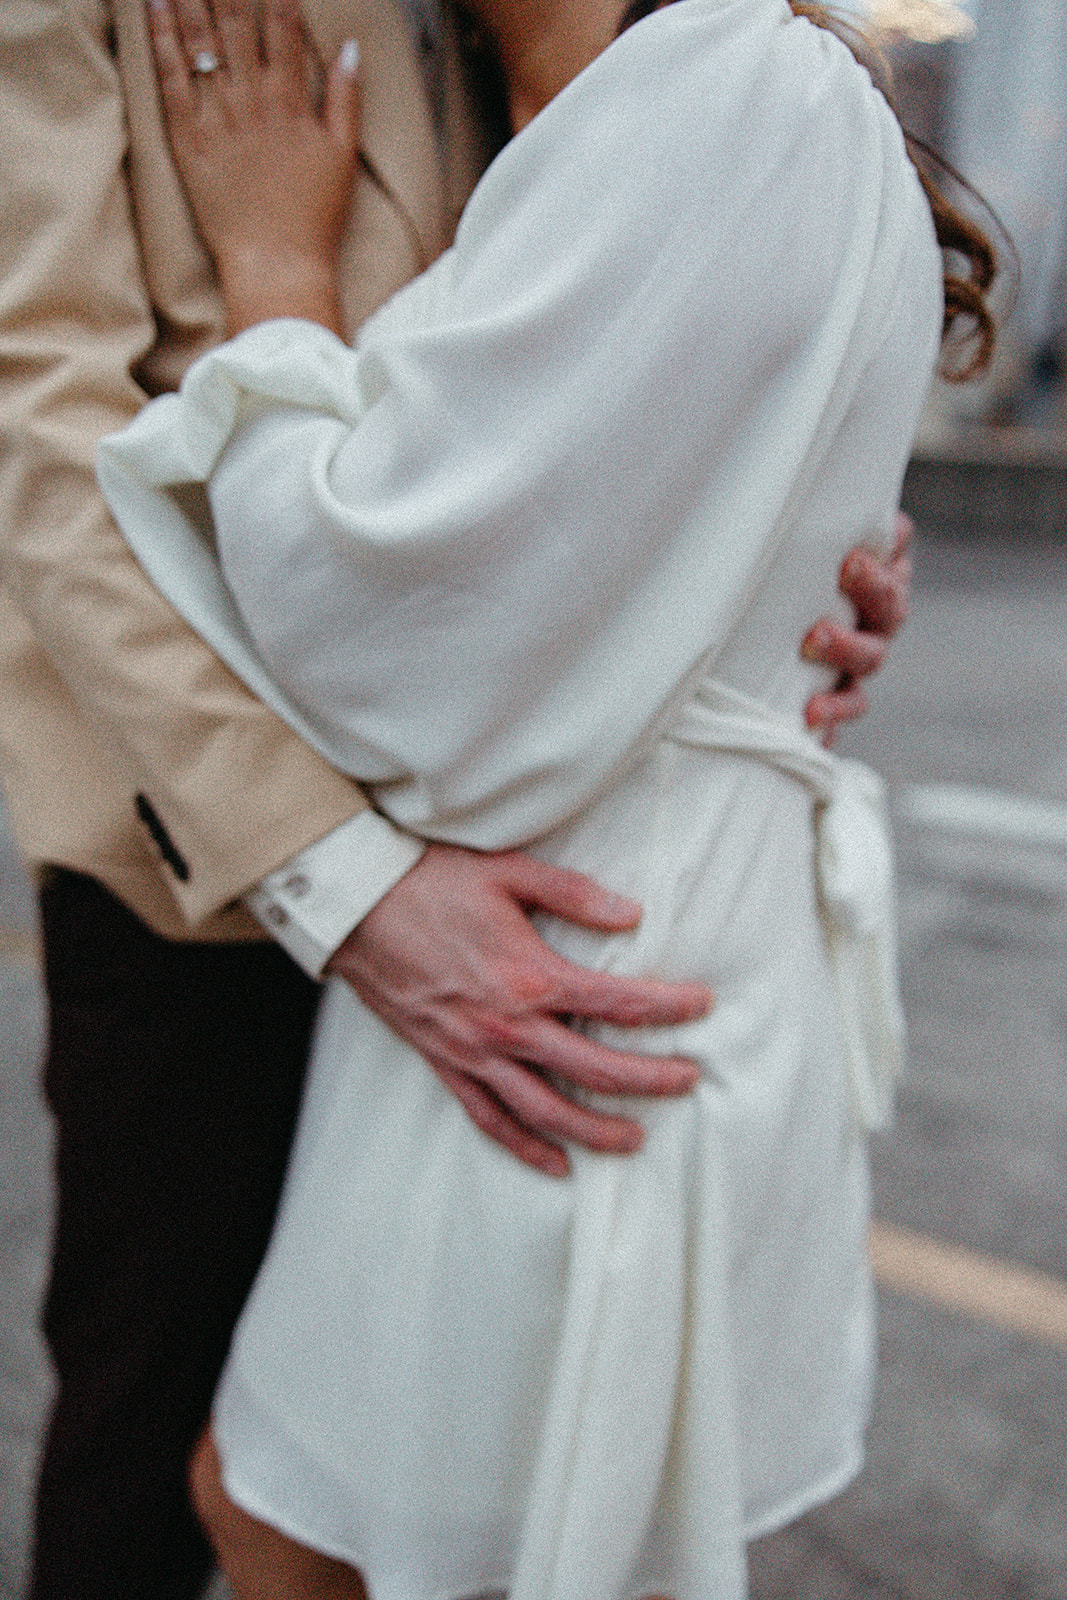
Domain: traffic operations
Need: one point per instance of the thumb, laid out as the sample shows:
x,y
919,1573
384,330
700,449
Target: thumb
x,y
341,105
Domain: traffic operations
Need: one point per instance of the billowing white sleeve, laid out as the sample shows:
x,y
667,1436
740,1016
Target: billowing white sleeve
x,y
482,554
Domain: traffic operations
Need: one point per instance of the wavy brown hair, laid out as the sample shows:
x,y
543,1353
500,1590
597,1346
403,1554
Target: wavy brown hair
x,y
970,258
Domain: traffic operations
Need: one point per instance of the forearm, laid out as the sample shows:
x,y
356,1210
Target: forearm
x,y
257,290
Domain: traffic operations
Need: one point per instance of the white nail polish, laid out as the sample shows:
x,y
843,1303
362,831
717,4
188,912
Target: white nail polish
x,y
348,60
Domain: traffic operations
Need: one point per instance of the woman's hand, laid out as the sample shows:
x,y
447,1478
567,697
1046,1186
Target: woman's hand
x,y
880,592
269,171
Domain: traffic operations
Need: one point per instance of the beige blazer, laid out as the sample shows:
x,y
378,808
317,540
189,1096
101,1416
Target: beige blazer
x,y
127,750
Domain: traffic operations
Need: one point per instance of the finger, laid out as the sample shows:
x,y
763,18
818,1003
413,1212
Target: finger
x,y
172,66
880,591
626,1002
825,712
552,1046
487,1113
238,32
285,49
540,1107
342,104
846,650
196,29
566,894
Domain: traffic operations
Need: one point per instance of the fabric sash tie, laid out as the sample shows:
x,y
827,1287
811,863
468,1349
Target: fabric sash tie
x,y
854,877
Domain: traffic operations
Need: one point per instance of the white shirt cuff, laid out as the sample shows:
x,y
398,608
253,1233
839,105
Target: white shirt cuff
x,y
311,904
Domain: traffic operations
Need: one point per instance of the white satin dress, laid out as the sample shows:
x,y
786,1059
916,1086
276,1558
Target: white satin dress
x,y
533,561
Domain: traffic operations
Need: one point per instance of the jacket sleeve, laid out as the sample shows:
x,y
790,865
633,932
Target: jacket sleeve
x,y
236,790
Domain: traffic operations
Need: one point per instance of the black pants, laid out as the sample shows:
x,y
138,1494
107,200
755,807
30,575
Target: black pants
x,y
174,1074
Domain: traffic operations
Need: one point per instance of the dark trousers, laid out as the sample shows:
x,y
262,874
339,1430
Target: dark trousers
x,y
174,1074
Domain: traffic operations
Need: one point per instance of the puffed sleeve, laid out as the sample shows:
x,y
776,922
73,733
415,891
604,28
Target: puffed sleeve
x,y
483,555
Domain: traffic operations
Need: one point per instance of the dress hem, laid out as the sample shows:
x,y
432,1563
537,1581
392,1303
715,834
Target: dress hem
x,y
833,1483
824,1489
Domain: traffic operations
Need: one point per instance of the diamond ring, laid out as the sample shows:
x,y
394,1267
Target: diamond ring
x,y
205,62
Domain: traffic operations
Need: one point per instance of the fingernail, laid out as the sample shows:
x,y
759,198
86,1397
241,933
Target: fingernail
x,y
348,60
813,643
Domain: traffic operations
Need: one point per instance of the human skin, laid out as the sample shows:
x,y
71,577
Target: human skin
x,y
449,957
490,1041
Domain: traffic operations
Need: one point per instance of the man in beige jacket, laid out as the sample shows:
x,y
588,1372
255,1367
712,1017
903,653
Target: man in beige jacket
x,y
172,818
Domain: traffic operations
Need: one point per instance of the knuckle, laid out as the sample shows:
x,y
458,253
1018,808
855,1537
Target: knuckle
x,y
858,566
504,1033
884,585
873,657
629,1011
620,1079
529,988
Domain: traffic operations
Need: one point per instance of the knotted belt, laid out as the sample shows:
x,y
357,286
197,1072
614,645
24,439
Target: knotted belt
x,y
854,877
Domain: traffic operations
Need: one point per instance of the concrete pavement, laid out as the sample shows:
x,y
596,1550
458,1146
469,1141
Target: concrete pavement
x,y
965,1494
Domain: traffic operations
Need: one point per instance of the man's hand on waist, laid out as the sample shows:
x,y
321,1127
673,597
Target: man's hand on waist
x,y
451,961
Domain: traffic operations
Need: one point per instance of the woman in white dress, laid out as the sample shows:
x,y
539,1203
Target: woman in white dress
x,y
531,561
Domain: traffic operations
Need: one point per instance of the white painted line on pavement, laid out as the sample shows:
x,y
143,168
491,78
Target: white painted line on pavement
x,y
1014,1297
959,808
